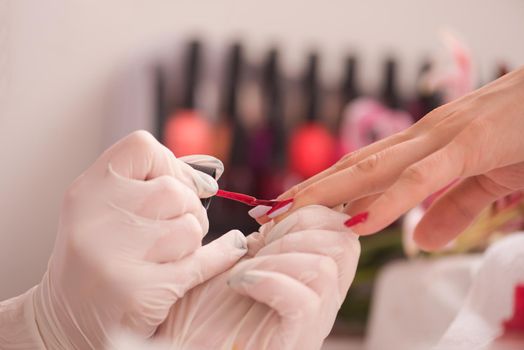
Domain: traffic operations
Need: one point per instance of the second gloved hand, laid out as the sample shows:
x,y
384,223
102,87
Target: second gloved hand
x,y
285,293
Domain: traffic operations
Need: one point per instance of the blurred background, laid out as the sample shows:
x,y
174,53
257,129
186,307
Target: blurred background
x,y
278,90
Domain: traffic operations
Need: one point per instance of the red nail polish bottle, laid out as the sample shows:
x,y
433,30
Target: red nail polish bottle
x,y
312,148
187,131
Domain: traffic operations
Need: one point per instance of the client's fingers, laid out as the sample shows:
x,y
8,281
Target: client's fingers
x,y
346,162
369,176
415,184
427,123
452,213
361,204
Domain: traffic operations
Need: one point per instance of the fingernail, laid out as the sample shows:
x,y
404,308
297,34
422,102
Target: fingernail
x,y
357,219
259,211
237,239
280,208
240,241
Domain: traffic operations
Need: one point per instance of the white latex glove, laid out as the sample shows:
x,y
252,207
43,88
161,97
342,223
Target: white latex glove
x,y
490,301
128,247
285,294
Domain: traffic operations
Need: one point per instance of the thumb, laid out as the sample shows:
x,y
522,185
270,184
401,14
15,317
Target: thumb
x,y
205,160
454,211
292,300
205,263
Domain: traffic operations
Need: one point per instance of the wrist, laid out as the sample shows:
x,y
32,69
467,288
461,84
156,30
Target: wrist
x,y
54,323
18,326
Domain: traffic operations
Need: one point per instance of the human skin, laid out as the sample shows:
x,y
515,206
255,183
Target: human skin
x,y
476,140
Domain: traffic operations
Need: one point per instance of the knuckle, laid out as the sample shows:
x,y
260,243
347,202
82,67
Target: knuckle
x,y
72,193
479,130
369,164
294,191
142,138
192,226
347,159
415,175
311,307
327,268
168,185
74,199
403,136
311,193
342,164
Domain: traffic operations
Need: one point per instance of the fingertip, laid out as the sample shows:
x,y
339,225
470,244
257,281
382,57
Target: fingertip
x,y
357,219
362,224
263,219
236,239
280,208
259,211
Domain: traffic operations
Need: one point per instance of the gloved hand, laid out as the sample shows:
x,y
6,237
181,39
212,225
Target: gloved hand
x,y
285,294
128,247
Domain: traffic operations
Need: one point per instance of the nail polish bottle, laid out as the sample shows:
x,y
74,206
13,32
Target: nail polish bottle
x,y
427,97
389,93
349,91
232,137
312,148
229,124
267,146
367,119
160,103
187,131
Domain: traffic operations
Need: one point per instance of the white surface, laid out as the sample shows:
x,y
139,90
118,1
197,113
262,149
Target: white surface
x,y
59,60
490,300
415,301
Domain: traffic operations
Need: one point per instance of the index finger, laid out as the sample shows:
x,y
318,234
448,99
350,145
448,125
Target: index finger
x,y
139,156
345,162
370,176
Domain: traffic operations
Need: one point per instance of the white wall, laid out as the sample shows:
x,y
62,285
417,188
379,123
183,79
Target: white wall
x,y
58,59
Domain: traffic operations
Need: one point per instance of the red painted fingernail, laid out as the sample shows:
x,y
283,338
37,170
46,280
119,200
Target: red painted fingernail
x,y
357,219
276,208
